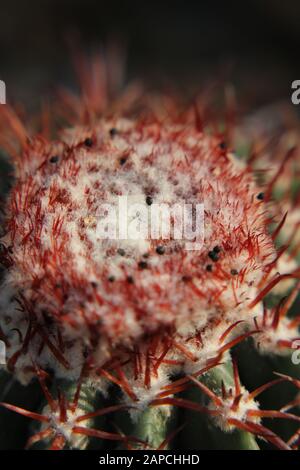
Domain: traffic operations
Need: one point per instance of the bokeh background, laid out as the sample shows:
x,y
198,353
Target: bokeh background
x,y
253,43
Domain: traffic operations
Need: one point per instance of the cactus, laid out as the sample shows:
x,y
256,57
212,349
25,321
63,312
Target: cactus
x,y
117,342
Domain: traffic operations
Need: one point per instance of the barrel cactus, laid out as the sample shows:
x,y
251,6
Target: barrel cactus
x,y
139,342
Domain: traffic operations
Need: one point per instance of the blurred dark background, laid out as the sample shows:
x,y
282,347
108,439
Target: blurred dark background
x,y
253,43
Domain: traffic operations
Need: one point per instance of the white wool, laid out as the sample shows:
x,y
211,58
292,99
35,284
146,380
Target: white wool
x,y
240,413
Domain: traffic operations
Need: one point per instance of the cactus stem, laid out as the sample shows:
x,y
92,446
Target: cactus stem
x,y
260,431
